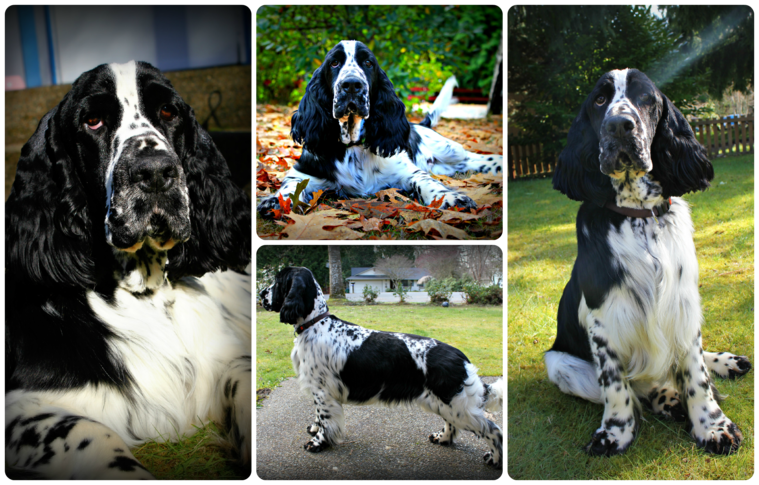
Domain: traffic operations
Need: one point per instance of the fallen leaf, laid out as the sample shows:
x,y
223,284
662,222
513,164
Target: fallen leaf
x,y
431,225
312,226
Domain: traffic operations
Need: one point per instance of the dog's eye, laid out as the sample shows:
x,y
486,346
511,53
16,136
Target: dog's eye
x,y
644,97
368,63
334,64
93,122
168,112
600,100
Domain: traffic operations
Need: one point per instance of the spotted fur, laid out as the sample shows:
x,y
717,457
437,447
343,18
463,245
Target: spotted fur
x,y
338,362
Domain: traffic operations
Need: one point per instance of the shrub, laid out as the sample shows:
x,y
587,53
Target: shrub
x,y
483,295
440,290
400,292
370,294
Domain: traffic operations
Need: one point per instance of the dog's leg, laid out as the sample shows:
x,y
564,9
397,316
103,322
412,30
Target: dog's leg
x,y
233,409
421,185
449,157
328,427
52,443
494,438
465,412
481,427
618,426
711,429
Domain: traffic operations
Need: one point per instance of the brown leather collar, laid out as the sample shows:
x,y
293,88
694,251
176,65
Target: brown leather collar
x,y
657,211
300,328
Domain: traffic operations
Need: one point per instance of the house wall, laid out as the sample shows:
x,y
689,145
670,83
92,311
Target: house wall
x,y
379,285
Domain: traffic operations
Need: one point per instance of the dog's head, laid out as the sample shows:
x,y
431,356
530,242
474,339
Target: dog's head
x,y
293,294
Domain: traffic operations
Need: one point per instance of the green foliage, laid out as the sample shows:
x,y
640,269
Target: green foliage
x,y
415,45
370,294
485,295
557,53
439,290
400,292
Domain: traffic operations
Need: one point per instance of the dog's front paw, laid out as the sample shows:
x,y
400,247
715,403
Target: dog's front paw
x,y
725,439
437,438
606,443
267,206
458,200
315,446
318,442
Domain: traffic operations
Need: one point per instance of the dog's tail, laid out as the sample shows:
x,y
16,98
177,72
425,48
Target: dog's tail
x,y
441,103
494,396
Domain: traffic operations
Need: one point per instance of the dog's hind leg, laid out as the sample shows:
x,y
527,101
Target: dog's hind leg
x,y
442,156
727,365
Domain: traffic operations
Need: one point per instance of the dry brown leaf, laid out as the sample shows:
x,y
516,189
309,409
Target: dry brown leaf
x,y
482,195
312,226
452,217
444,230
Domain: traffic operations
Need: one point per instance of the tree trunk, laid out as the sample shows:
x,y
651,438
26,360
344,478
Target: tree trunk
x,y
336,282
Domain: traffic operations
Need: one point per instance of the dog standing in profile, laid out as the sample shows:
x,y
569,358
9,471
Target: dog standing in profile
x,y
338,363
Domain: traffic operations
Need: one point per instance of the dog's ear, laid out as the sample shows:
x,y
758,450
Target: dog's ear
x,y
294,294
386,130
313,124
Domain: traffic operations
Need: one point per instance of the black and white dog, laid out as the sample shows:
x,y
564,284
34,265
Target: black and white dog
x,y
629,321
356,138
124,320
338,362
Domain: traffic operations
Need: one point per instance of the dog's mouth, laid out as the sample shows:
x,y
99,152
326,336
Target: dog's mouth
x,y
160,231
351,107
616,161
350,127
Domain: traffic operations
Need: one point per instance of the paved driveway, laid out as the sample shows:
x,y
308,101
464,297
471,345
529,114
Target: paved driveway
x,y
380,443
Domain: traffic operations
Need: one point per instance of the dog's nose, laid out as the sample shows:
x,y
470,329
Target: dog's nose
x,y
352,85
619,126
155,173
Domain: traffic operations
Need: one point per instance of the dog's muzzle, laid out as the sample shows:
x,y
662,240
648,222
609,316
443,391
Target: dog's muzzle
x,y
623,146
350,107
